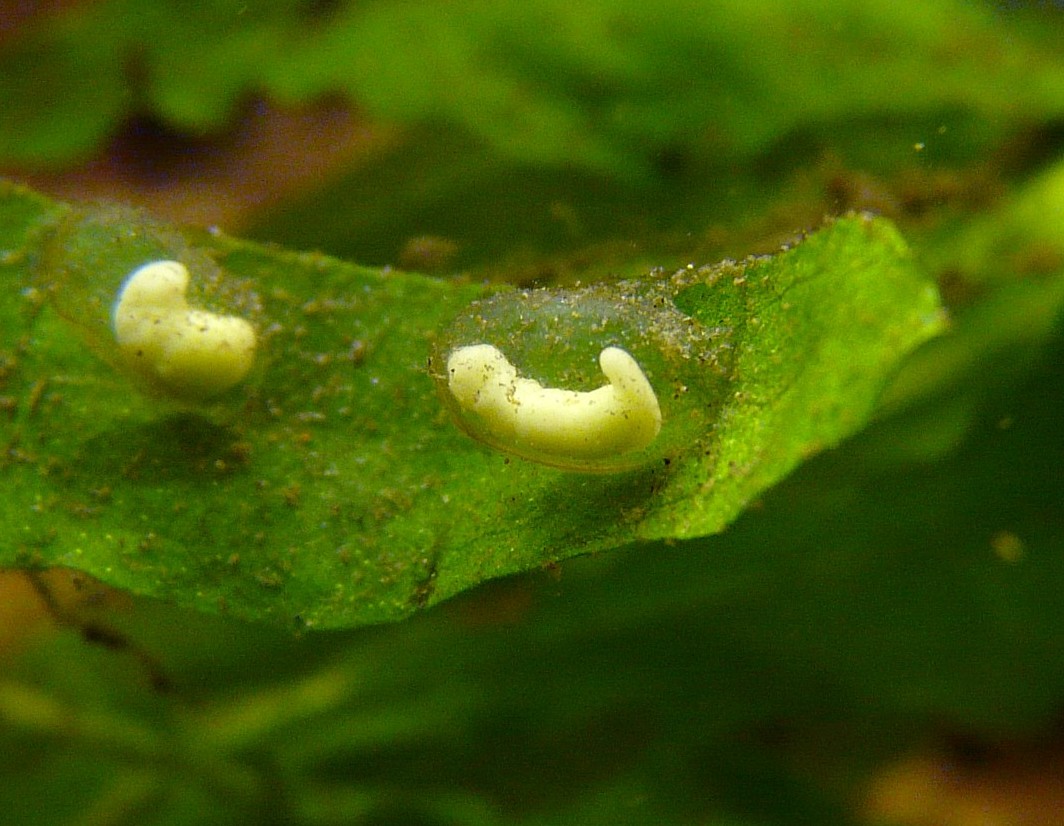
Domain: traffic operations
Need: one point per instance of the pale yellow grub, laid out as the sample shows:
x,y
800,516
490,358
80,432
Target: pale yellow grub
x,y
620,417
179,350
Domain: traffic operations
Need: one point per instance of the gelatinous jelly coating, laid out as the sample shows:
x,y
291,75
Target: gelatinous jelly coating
x,y
186,352
620,417
543,395
88,261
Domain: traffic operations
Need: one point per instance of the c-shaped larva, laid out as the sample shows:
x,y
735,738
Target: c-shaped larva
x,y
188,353
557,426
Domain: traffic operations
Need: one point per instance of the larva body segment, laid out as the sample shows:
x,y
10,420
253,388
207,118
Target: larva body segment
x,y
186,352
618,418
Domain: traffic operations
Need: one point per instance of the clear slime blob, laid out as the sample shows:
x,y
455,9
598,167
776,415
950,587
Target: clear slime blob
x,y
601,379
155,307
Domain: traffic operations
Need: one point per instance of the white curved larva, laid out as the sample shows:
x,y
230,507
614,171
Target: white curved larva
x,y
620,417
186,352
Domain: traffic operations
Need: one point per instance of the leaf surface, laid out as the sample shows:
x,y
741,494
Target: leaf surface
x,y
333,490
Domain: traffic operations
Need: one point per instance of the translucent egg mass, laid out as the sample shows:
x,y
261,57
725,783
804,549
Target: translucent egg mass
x,y
598,379
153,306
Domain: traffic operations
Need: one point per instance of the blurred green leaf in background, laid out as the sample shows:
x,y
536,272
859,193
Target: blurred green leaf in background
x,y
327,604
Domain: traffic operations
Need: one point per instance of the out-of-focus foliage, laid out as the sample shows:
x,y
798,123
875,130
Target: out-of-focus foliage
x,y
601,85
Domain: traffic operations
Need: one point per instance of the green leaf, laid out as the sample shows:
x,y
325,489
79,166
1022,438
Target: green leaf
x,y
607,86
332,490
77,67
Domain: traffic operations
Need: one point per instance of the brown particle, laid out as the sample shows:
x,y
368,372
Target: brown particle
x,y
8,365
269,579
82,510
33,400
240,452
292,495
356,353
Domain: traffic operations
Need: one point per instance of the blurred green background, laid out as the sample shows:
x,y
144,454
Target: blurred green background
x,y
879,640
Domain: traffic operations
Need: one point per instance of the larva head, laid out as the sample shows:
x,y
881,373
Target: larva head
x,y
636,402
476,374
156,287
